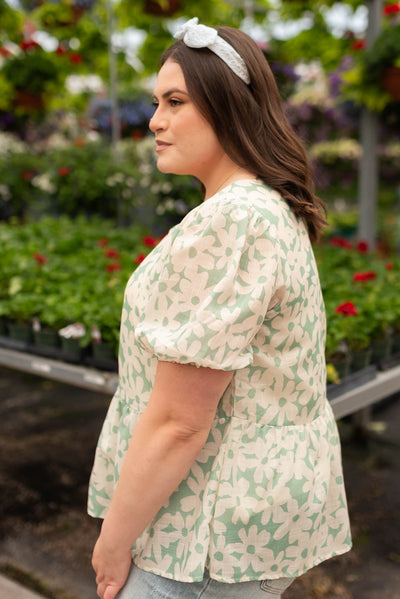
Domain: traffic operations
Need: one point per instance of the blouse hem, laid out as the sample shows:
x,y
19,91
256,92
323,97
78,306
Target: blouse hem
x,y
264,576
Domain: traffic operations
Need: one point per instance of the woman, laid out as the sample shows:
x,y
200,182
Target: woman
x,y
218,470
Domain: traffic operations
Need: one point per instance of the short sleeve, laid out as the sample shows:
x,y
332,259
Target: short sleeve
x,y
213,289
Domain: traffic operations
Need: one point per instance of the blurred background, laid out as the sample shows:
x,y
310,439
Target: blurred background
x,y
82,204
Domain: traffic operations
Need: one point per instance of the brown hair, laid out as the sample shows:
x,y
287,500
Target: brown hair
x,y
250,122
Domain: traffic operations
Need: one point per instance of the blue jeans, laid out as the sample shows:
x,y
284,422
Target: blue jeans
x,y
144,585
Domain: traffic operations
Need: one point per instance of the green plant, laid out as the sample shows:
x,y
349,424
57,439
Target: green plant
x,y
32,72
363,82
384,53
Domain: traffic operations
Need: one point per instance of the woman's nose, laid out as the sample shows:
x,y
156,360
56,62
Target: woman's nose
x,y
157,122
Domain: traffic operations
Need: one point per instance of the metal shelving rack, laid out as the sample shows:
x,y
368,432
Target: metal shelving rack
x,y
80,376
383,385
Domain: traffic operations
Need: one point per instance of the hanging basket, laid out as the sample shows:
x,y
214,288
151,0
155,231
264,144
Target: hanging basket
x,y
28,101
162,8
391,82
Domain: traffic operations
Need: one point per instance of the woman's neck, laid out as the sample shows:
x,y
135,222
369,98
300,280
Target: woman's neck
x,y
225,178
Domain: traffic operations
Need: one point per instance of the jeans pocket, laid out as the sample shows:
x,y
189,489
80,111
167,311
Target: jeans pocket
x,y
276,586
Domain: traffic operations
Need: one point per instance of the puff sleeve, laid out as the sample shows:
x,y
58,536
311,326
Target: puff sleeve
x,y
209,297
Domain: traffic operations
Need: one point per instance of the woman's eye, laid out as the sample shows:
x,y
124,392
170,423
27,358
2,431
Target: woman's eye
x,y
154,104
174,103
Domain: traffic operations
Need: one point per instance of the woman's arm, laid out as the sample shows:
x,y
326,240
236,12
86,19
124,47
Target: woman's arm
x,y
164,445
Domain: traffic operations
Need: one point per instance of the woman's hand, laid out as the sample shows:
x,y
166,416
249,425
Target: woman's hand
x,y
111,565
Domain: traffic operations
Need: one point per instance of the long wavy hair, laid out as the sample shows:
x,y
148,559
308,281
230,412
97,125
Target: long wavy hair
x,y
249,121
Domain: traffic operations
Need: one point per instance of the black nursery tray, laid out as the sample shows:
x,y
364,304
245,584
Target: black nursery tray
x,y
81,357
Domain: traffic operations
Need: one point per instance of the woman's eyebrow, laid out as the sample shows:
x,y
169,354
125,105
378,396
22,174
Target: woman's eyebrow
x,y
170,92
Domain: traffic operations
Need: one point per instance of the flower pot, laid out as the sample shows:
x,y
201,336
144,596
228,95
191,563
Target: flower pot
x,y
390,82
396,343
3,327
46,338
341,363
162,8
380,350
20,332
28,101
360,360
102,351
71,349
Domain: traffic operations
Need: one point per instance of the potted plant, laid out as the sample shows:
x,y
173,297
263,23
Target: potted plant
x,y
374,78
382,61
33,73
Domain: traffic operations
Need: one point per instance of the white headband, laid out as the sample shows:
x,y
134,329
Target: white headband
x,y
201,36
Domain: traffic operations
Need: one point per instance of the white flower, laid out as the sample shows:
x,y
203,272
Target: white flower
x,y
5,192
43,182
166,187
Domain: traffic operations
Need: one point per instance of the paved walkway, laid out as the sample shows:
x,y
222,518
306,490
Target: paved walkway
x,y
11,590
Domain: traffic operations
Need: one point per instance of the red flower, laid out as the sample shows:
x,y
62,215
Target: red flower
x,y
75,58
113,266
389,266
137,135
112,253
61,50
341,242
102,242
63,171
27,175
139,258
40,259
364,276
347,309
150,241
391,9
362,247
28,45
358,45
4,51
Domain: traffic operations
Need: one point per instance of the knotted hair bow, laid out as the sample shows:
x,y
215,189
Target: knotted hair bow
x,y
200,36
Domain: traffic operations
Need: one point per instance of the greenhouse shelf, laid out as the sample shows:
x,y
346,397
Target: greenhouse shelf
x,y
80,376
383,385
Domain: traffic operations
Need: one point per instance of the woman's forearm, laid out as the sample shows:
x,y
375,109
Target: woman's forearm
x,y
158,458
169,436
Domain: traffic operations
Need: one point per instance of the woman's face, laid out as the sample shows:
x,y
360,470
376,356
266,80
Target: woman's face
x,y
185,142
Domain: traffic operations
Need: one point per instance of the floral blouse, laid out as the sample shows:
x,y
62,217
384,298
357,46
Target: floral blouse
x,y
235,287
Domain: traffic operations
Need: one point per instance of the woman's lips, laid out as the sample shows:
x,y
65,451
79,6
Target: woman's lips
x,y
161,145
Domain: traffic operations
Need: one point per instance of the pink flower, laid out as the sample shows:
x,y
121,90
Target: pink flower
x,y
347,309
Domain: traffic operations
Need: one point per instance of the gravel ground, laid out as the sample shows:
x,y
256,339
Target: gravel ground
x,y
48,433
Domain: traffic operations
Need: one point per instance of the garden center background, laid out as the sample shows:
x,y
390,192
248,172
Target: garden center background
x,y
75,90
